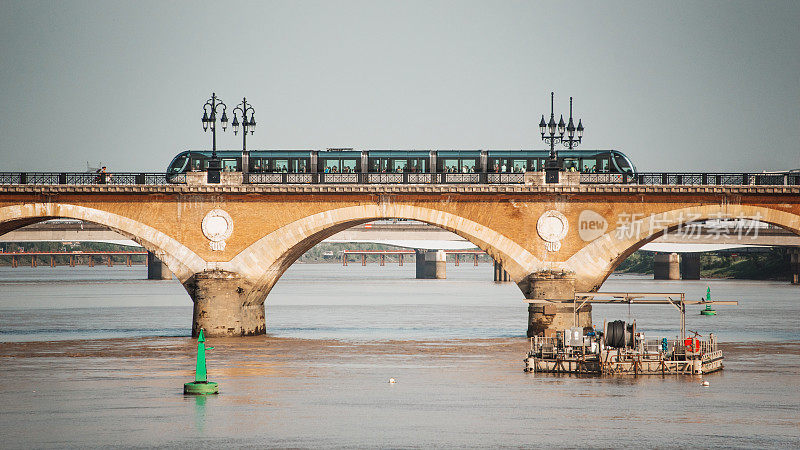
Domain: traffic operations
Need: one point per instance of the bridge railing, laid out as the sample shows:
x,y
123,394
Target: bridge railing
x,y
505,178
86,178
601,178
716,179
641,178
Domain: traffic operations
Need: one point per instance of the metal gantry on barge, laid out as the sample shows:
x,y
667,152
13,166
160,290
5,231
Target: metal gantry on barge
x,y
619,348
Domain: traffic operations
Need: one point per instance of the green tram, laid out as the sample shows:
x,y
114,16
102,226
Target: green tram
x,y
377,162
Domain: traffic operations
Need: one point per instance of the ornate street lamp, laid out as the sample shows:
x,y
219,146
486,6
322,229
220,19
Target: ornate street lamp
x,y
571,140
553,133
248,125
210,110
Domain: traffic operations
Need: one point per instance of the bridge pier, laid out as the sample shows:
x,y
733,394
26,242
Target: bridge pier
x,y
667,266
431,264
219,305
500,274
794,254
157,270
690,266
546,318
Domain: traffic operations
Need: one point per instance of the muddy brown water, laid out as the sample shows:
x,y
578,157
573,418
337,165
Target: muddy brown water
x,y
97,358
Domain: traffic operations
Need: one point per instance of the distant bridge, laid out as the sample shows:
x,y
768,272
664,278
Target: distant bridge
x,y
66,231
72,258
678,259
690,238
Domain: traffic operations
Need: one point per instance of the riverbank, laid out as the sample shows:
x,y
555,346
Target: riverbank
x,y
770,265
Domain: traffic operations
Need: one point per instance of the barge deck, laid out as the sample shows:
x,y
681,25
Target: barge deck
x,y
619,349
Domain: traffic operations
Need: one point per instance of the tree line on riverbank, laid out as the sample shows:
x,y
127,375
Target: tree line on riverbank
x,y
772,264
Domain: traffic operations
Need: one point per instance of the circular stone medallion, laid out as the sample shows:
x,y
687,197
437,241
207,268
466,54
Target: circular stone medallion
x,y
217,225
552,227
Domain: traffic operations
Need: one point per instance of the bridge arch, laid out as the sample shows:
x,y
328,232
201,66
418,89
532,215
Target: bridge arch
x,y
181,261
595,262
282,247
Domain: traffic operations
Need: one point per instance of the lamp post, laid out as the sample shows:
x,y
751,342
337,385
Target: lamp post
x,y
553,133
571,141
210,110
248,125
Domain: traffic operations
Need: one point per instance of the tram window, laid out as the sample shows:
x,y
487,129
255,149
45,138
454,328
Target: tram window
x,y
302,166
520,165
604,165
571,164
534,165
588,165
349,165
456,165
377,165
462,165
397,165
197,165
497,165
622,164
229,165
331,165
504,165
280,165
341,165
177,165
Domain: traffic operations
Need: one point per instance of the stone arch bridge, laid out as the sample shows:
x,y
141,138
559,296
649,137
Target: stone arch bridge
x,y
229,245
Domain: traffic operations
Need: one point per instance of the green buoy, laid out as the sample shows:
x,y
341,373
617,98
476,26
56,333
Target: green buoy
x,y
708,311
201,385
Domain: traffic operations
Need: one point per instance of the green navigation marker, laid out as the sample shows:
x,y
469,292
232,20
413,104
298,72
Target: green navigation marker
x,y
708,311
201,385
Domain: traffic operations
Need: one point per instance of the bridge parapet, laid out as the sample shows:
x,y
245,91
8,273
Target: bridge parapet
x,y
535,178
391,189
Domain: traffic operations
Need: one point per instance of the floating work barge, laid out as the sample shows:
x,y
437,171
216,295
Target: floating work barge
x,y
619,348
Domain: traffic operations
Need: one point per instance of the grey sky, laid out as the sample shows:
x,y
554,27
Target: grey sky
x,y
711,85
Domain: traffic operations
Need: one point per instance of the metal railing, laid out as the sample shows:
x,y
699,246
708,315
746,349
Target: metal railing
x,y
652,346
505,178
714,179
601,178
401,178
642,178
547,347
87,178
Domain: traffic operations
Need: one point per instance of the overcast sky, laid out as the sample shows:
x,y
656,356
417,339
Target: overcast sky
x,y
691,86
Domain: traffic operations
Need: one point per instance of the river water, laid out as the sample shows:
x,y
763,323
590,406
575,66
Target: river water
x,y
96,357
